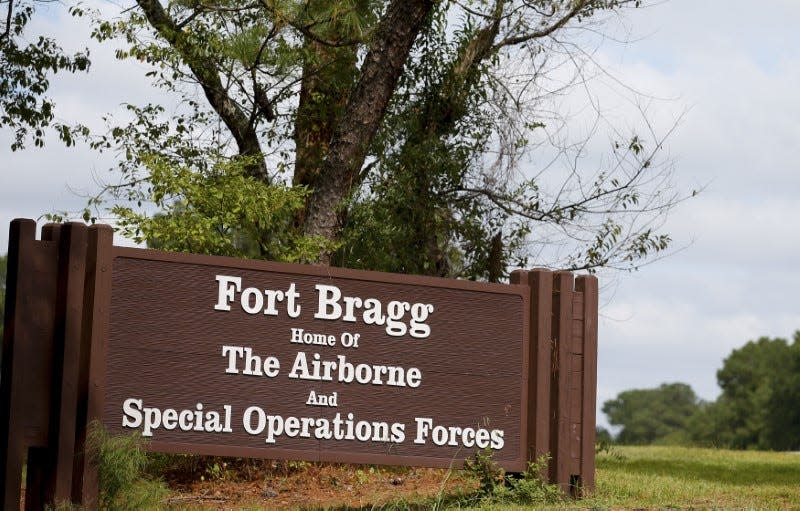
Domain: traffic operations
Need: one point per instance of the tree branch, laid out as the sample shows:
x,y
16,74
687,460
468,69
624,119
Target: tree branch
x,y
207,74
9,17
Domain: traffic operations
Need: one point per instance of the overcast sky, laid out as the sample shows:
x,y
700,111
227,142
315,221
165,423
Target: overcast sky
x,y
733,68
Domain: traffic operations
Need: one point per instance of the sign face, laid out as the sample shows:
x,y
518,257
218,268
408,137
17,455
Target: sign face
x,y
221,356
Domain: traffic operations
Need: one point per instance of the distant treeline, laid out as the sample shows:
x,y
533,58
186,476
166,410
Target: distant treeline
x,y
759,407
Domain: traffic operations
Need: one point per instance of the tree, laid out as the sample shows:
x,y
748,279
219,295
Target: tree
x,y
782,430
756,409
25,71
649,416
399,126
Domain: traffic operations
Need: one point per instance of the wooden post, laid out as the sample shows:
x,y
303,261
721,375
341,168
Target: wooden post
x,y
41,361
562,385
540,283
72,239
587,284
95,319
559,390
25,385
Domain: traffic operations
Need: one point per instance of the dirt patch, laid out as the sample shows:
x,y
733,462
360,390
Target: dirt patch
x,y
223,485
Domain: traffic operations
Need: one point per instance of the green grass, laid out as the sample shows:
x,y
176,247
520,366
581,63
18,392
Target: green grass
x,y
689,478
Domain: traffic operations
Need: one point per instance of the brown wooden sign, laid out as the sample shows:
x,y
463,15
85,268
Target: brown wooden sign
x,y
229,357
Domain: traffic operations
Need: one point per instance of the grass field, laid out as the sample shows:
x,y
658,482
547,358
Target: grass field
x,y
689,478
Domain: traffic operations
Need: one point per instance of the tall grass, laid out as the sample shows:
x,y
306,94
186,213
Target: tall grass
x,y
121,463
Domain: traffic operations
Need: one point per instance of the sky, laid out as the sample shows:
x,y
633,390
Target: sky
x,y
726,72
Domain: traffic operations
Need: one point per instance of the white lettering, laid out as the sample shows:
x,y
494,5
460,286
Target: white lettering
x,y
247,420
150,418
232,352
292,307
455,436
424,426
169,419
254,365
185,420
225,293
132,408
252,299
346,372
328,299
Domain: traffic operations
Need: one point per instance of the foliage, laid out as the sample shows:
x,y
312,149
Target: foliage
x,y
648,416
121,462
490,476
603,437
402,125
757,406
220,210
530,487
527,488
25,71
782,428
64,506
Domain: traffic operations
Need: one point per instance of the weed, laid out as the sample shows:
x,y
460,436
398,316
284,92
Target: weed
x,y
120,463
496,488
490,476
217,471
532,486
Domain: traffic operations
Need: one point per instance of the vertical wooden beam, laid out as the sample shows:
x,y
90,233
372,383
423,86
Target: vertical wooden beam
x,y
563,285
27,366
95,320
541,348
38,485
540,283
587,284
12,447
72,241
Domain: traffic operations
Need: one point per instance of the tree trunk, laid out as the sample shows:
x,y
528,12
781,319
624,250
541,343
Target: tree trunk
x,y
328,75
365,109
